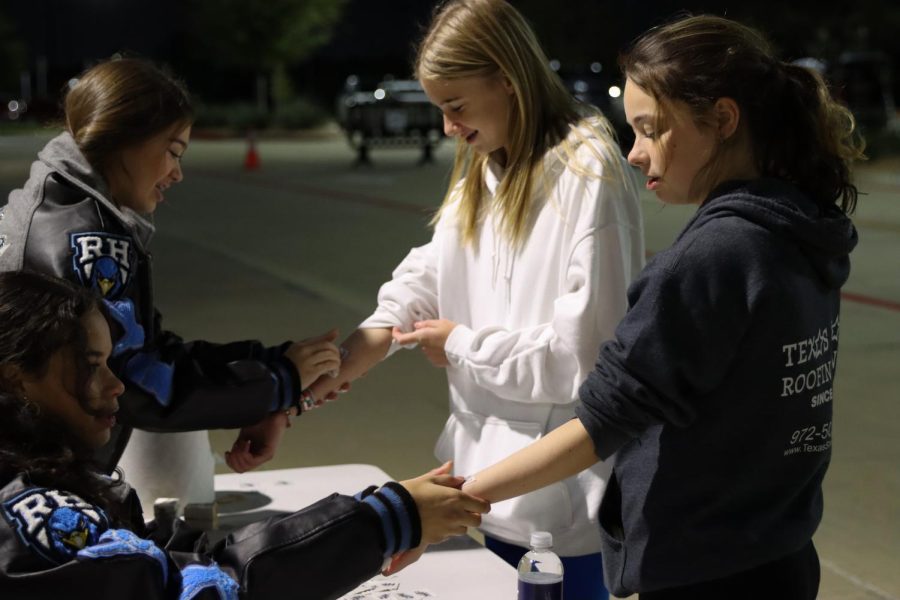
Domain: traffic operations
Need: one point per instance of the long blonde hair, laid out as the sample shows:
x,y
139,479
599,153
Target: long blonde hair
x,y
483,38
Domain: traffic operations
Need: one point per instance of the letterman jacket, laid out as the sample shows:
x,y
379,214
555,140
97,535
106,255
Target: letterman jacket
x,y
54,544
62,222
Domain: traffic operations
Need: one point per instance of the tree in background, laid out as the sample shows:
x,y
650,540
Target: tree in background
x,y
12,57
265,38
578,33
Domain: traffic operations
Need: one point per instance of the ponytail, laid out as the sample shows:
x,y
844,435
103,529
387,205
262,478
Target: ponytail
x,y
801,134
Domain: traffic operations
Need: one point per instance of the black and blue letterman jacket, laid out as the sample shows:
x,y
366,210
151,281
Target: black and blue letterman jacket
x,y
63,223
54,544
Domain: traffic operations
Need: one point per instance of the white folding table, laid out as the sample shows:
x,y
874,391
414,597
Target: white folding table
x,y
460,569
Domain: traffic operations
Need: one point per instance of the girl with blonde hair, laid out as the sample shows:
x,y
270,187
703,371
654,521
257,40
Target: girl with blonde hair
x,y
538,237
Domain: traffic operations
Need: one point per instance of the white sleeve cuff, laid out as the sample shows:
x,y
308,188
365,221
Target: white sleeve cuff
x,y
458,343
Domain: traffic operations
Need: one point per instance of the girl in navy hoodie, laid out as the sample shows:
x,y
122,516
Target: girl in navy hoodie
x,y
716,392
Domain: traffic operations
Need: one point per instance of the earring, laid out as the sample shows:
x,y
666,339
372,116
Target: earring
x,y
30,406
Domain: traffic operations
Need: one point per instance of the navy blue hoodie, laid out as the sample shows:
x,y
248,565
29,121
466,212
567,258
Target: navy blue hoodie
x,y
717,391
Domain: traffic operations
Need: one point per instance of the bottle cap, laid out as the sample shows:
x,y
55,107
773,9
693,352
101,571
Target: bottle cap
x,y
541,539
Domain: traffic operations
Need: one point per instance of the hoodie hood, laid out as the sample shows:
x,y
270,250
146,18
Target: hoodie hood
x,y
825,235
63,156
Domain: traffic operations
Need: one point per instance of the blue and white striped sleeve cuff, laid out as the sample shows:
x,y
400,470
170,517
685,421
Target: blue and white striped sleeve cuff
x,y
399,517
287,384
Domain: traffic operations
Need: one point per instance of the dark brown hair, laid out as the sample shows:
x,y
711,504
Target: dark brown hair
x,y
797,131
122,102
39,316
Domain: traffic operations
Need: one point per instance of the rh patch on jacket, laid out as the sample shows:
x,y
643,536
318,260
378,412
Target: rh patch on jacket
x,y
103,261
54,524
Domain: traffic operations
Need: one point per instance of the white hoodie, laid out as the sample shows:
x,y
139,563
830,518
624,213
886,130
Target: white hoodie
x,y
530,324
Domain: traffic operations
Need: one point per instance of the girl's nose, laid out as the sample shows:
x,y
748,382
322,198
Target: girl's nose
x,y
636,157
177,174
114,386
450,127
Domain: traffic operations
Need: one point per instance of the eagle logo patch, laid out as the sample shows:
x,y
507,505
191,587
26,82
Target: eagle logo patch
x,y
53,523
103,262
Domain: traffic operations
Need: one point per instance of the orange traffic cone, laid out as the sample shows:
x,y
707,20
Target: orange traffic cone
x,y
251,161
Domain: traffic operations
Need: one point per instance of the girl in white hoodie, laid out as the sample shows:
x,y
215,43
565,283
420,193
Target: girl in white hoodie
x,y
534,246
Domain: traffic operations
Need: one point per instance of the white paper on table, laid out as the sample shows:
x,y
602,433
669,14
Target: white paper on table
x,y
382,588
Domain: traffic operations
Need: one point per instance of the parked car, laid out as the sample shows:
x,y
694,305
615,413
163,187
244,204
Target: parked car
x,y
394,112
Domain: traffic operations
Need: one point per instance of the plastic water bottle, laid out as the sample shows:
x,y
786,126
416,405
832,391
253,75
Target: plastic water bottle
x,y
541,570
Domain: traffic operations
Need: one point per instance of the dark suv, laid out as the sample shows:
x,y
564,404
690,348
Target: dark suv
x,y
395,112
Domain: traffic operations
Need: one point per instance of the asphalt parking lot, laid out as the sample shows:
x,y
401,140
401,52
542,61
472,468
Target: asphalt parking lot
x,y
302,245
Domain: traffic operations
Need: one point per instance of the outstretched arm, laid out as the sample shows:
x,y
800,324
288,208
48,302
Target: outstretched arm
x,y
563,452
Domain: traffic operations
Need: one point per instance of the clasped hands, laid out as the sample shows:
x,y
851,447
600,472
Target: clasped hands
x,y
444,511
318,360
431,337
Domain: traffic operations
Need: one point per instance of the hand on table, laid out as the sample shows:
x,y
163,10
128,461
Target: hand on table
x,y
431,336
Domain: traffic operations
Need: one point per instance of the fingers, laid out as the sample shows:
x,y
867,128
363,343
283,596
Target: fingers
x,y
405,339
314,370
328,336
251,459
404,559
444,469
254,461
324,389
313,367
473,504
451,524
238,458
453,481
320,353
470,520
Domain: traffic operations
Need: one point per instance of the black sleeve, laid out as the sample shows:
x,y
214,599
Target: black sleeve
x,y
171,385
320,552
51,546
178,386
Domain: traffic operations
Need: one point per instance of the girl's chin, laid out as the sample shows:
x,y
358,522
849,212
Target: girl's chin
x,y
98,441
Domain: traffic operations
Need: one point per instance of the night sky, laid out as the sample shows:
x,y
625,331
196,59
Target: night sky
x,y
376,37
